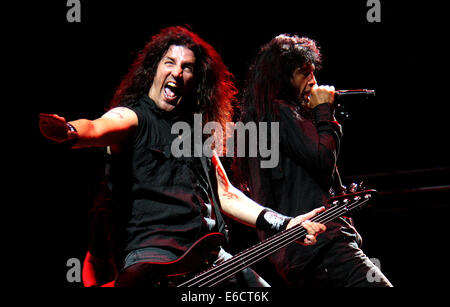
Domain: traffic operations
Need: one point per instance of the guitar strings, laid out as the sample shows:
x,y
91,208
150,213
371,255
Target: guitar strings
x,y
277,244
278,240
248,255
284,241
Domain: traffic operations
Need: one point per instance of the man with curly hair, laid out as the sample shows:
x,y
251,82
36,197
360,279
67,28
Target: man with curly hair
x,y
281,87
167,203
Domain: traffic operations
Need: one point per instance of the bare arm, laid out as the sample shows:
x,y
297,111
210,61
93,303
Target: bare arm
x,y
241,208
110,129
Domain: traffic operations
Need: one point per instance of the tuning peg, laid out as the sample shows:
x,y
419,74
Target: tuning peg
x,y
331,192
362,186
353,187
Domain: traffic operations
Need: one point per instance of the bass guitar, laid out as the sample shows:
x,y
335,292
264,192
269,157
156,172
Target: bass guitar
x,y
180,272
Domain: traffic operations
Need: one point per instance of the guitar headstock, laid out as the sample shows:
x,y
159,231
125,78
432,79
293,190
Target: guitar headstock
x,y
353,200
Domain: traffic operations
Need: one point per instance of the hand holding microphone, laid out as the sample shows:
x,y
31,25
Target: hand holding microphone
x,y
328,94
321,94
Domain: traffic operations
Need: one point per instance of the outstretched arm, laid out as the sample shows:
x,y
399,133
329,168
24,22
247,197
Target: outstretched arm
x,y
241,208
110,129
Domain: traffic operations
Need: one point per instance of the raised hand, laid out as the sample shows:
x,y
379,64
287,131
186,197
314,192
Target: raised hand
x,y
54,127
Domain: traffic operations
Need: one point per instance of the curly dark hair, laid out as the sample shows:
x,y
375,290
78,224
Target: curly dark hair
x,y
269,80
269,76
215,90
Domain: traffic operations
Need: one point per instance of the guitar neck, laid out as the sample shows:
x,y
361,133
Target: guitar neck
x,y
246,258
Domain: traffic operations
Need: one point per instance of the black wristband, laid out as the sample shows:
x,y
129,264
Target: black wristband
x,y
271,221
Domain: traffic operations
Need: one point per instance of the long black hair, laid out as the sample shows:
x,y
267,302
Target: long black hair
x,y
269,77
269,80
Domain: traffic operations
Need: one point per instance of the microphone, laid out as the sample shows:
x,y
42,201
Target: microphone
x,y
360,93
346,101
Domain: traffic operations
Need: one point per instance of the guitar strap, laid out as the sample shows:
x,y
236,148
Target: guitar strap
x,y
216,205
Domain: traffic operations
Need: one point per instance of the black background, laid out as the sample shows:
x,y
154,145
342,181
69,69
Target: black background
x,y
396,143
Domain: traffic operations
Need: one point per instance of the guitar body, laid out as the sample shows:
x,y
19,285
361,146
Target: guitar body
x,y
169,274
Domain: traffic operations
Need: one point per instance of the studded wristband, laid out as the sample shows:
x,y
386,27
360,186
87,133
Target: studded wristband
x,y
271,221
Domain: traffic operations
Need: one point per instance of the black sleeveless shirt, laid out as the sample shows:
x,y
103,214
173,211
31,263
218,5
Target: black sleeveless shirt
x,y
161,198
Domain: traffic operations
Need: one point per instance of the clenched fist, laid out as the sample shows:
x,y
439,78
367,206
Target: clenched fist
x,y
321,94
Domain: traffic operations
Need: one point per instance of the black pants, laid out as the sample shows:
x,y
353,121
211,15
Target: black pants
x,y
341,263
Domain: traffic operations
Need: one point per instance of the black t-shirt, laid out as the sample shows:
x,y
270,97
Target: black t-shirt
x,y
161,198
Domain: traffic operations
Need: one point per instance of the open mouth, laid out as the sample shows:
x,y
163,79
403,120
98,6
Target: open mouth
x,y
172,91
